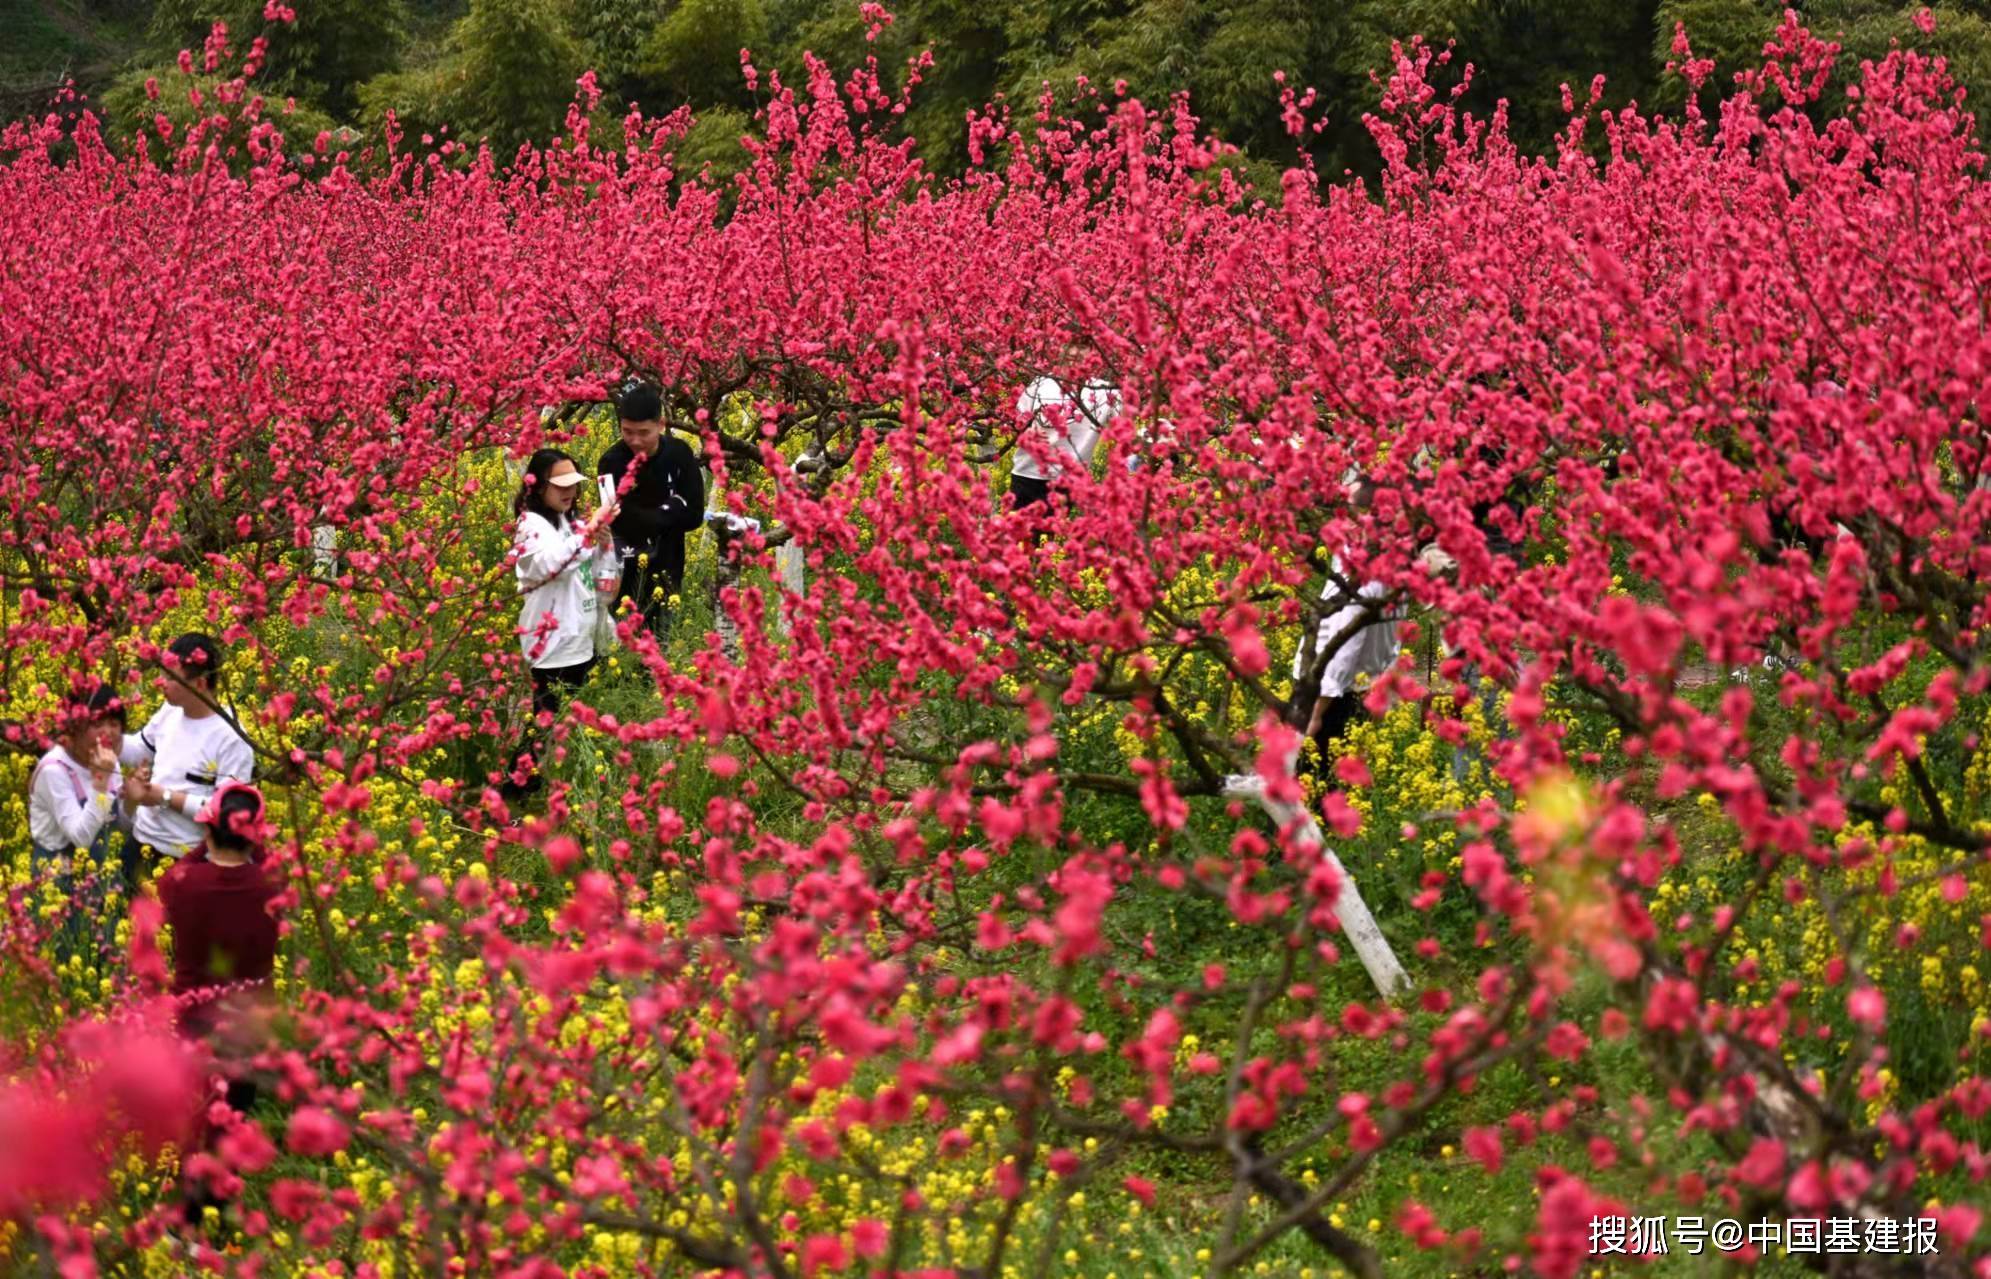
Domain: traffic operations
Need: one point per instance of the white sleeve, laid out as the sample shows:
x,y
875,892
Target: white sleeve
x,y
140,747
79,822
1324,634
1081,438
233,758
1059,416
1369,651
542,552
1339,672
1044,401
1030,401
1028,413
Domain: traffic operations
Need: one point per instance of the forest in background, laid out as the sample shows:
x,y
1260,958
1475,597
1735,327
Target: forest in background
x,y
504,70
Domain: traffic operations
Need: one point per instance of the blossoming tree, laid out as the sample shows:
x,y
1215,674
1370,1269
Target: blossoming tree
x,y
879,940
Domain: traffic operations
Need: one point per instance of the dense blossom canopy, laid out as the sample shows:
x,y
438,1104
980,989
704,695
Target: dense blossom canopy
x,y
909,907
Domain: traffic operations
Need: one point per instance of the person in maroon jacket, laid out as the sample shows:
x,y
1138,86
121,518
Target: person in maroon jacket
x,y
217,900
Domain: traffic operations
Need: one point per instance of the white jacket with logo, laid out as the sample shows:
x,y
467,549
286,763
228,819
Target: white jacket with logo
x,y
555,569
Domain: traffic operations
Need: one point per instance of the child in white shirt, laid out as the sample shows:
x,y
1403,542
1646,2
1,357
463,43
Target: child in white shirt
x,y
73,791
73,804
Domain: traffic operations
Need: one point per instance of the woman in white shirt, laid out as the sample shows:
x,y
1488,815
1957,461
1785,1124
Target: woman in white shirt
x,y
73,804
1370,651
554,562
1361,656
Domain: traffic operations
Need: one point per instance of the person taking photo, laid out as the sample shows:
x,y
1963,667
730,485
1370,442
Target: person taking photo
x,y
554,562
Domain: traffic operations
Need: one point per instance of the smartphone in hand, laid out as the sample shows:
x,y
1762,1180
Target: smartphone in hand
x,y
605,489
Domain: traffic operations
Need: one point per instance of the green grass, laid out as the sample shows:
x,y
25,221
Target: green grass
x,y
40,40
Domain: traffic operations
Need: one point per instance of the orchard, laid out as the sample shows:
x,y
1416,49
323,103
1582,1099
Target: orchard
x,y
952,890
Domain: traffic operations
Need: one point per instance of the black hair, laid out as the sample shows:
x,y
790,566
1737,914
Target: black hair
x,y
237,815
638,401
195,657
532,492
82,709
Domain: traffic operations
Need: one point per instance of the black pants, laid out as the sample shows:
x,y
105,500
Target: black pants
x,y
649,589
550,686
1027,490
1335,719
141,860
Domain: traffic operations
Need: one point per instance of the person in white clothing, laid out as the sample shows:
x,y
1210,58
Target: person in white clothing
x,y
190,746
1061,429
73,791
555,565
1371,650
73,804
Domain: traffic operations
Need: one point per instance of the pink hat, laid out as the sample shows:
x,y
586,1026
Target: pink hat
x,y
210,812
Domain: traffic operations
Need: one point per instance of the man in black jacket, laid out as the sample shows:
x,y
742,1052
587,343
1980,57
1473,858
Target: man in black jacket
x,y
662,502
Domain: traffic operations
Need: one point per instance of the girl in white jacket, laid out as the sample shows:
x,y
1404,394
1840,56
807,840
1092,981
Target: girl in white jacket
x,y
555,564
73,805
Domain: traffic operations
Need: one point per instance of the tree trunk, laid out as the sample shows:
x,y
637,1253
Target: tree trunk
x,y
1371,947
788,562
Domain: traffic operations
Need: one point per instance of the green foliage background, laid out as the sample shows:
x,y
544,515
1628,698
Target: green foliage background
x,y
504,70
